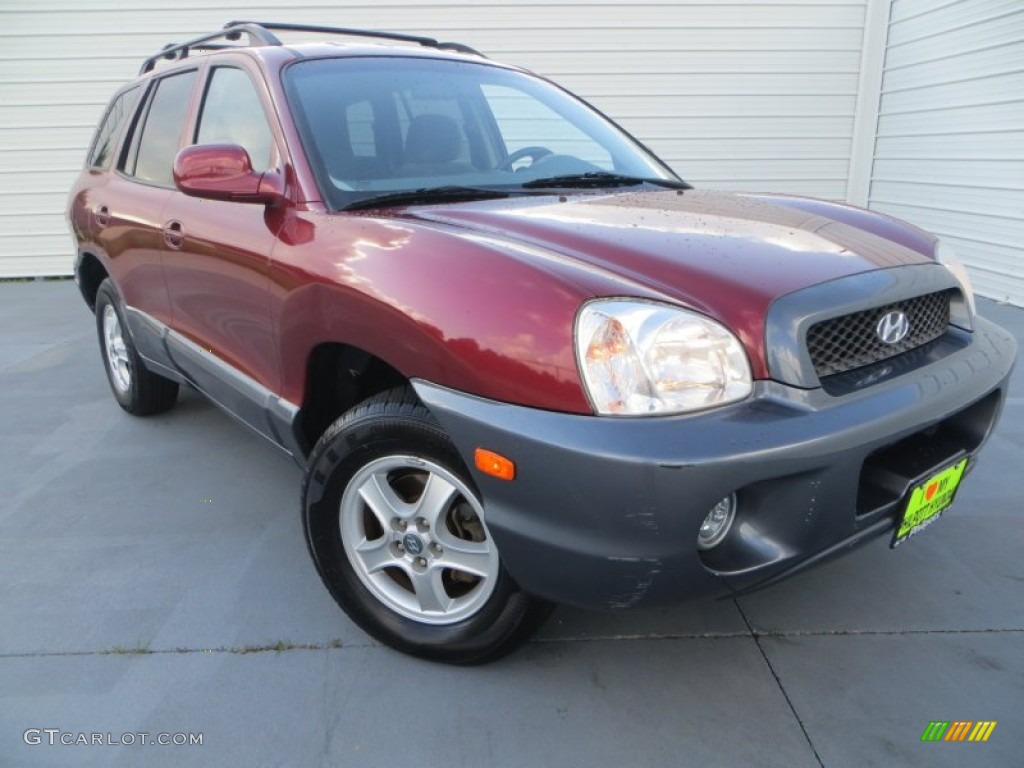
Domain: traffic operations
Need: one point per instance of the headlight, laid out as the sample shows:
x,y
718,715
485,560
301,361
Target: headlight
x,y
945,255
639,358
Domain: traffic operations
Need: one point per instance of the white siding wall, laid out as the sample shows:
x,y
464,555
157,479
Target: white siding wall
x,y
742,94
949,154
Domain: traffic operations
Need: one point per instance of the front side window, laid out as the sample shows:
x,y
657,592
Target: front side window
x,y
233,114
102,150
373,126
151,157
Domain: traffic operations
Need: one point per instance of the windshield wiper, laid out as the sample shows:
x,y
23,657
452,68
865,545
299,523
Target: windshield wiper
x,y
601,179
426,195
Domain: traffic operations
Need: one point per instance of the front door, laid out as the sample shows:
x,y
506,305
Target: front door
x,y
216,262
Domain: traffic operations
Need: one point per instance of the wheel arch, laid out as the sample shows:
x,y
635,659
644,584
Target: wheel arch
x,y
90,273
339,376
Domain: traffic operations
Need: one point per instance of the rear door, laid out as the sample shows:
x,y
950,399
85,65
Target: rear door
x,y
127,210
88,208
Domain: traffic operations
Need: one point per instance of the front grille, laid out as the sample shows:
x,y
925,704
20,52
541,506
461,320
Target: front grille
x,y
851,341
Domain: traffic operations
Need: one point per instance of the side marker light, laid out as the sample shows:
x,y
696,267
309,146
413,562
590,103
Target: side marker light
x,y
494,464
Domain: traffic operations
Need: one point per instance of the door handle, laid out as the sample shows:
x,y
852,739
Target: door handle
x,y
174,235
102,216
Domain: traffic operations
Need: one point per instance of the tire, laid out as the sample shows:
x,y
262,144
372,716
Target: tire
x,y
137,390
395,526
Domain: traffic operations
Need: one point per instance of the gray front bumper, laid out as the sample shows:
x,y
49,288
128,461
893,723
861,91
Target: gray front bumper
x,y
605,511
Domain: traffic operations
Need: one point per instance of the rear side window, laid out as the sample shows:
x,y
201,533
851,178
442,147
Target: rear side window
x,y
102,151
152,155
233,114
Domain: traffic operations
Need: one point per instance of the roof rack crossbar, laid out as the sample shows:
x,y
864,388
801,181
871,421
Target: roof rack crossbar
x,y
283,27
257,33
261,33
426,42
460,48
258,36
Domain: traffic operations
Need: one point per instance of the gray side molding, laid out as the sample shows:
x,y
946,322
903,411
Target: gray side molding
x,y
170,354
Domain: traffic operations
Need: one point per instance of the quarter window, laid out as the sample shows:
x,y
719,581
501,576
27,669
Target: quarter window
x,y
102,150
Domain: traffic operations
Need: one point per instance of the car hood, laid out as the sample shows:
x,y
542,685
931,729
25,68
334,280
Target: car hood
x,y
727,255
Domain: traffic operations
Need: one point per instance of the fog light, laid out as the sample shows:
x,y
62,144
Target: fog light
x,y
718,522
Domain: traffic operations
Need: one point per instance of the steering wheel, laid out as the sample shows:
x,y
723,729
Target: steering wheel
x,y
534,153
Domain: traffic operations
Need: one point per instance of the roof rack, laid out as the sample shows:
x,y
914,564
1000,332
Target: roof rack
x,y
261,33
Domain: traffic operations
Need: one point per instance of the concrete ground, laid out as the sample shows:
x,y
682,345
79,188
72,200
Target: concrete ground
x,y
153,578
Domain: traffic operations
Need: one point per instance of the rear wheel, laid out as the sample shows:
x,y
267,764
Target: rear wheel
x,y
137,390
397,530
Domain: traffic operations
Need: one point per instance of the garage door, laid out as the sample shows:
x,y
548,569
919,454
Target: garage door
x,y
742,94
949,154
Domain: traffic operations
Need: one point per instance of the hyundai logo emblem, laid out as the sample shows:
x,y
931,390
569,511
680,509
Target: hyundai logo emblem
x,y
893,327
413,544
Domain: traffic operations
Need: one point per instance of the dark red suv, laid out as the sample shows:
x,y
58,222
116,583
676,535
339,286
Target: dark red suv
x,y
522,362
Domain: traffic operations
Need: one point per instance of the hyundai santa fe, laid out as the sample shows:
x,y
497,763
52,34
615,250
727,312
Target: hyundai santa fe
x,y
520,360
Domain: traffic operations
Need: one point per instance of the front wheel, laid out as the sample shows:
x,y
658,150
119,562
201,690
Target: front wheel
x,y
397,531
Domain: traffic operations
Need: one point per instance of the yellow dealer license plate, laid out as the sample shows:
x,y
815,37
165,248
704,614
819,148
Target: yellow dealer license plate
x,y
928,500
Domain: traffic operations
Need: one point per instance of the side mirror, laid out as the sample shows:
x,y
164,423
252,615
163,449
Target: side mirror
x,y
224,172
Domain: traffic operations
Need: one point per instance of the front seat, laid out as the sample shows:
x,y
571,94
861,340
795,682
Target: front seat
x,y
433,144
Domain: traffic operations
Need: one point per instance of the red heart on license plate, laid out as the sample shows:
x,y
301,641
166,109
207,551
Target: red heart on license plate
x,y
931,491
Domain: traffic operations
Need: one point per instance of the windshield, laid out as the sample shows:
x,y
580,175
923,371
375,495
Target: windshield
x,y
374,126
